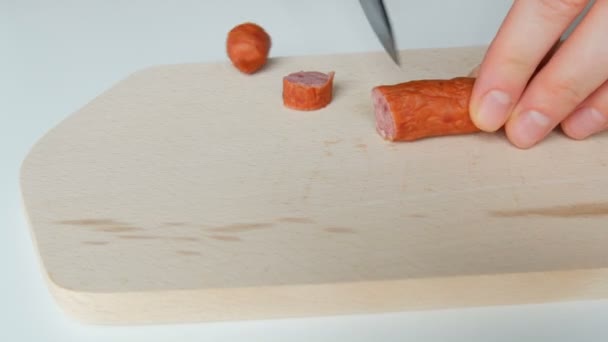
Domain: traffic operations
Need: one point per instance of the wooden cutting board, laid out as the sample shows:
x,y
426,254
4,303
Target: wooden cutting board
x,y
189,193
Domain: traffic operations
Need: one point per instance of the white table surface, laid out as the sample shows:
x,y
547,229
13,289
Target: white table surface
x,y
55,56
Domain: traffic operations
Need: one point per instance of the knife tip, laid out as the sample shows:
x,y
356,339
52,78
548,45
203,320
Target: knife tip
x,y
395,57
397,61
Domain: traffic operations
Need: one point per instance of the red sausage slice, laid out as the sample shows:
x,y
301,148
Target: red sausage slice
x,y
308,90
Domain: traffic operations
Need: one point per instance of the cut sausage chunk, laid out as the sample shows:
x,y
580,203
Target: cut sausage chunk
x,y
308,90
423,108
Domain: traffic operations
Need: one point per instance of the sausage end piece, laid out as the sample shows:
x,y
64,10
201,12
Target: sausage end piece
x,y
248,46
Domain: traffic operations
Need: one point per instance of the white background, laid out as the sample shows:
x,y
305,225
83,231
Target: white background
x,y
55,56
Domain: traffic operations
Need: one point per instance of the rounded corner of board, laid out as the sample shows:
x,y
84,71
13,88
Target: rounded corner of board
x,y
78,306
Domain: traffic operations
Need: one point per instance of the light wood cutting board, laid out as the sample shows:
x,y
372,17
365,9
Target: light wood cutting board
x,y
189,193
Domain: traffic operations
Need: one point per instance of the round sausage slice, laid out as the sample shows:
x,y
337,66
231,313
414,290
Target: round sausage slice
x,y
308,90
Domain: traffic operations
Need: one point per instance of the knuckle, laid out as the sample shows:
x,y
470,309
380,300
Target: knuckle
x,y
518,64
600,98
566,90
563,7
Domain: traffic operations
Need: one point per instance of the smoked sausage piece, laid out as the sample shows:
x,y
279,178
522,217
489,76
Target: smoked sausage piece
x,y
308,90
247,46
423,108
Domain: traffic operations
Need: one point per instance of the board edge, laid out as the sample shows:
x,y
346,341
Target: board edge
x,y
338,299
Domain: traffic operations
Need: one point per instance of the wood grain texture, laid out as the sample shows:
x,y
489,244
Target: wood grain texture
x,y
188,192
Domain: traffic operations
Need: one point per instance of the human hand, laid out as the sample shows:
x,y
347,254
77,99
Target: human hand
x,y
515,89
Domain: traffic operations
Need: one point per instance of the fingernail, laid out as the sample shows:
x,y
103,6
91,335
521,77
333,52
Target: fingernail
x,y
587,121
529,128
493,110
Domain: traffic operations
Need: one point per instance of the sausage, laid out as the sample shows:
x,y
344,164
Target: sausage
x,y
308,90
248,46
423,108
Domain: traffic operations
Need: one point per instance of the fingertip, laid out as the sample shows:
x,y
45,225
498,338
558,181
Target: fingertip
x,y
492,111
515,139
571,133
584,123
528,128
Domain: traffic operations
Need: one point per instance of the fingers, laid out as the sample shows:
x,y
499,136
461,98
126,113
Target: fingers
x,y
475,71
576,70
548,56
590,118
529,31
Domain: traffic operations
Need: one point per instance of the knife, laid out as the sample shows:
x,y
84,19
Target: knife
x,y
378,18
